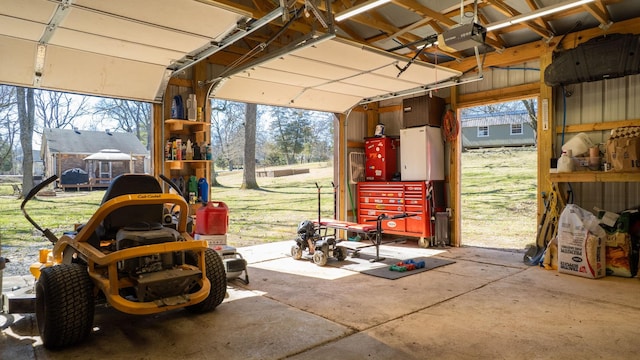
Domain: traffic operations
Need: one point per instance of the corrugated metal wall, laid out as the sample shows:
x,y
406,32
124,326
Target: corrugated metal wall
x,y
597,102
501,77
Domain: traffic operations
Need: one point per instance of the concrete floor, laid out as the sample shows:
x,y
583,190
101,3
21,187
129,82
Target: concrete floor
x,y
487,305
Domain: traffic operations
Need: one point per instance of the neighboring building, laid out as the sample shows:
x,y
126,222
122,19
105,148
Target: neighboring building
x,y
38,165
497,129
68,149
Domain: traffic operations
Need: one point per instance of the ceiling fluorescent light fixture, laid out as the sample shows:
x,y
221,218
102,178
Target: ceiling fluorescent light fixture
x,y
537,14
359,9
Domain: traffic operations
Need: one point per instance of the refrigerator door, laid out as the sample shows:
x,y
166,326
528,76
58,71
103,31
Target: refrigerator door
x,y
421,154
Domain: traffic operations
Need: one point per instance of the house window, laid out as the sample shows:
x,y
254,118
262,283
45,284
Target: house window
x,y
483,131
516,129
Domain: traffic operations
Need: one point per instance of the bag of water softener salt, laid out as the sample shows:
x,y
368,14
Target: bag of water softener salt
x,y
581,243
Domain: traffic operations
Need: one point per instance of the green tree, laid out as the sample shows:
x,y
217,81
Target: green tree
x,y
130,116
532,110
8,126
26,118
57,110
249,168
227,140
291,131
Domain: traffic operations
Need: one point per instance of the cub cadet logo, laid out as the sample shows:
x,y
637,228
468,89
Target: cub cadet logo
x,y
391,224
148,196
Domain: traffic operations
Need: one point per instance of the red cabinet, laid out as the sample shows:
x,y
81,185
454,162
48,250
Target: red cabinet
x,y
381,158
394,198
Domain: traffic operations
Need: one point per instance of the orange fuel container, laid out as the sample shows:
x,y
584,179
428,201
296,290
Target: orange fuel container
x,y
212,219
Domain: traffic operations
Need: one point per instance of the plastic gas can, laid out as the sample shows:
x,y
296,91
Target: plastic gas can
x,y
212,218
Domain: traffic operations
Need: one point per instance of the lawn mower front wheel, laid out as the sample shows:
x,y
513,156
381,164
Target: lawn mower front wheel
x,y
217,277
64,305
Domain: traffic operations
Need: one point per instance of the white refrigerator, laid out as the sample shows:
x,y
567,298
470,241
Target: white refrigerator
x,y
421,154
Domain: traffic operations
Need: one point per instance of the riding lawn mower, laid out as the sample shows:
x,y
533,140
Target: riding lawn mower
x,y
133,254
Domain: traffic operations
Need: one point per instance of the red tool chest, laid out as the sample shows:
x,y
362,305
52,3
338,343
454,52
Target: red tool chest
x,y
381,158
394,198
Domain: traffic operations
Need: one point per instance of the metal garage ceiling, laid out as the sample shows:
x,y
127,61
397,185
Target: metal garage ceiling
x,y
128,49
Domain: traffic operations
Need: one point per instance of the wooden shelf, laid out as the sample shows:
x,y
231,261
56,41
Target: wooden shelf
x,y
180,125
595,176
179,164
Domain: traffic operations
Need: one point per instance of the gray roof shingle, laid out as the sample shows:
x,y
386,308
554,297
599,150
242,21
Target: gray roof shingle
x,y
89,142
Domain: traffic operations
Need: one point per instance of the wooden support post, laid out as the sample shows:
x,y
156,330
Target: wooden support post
x,y
546,133
157,152
343,167
373,116
455,176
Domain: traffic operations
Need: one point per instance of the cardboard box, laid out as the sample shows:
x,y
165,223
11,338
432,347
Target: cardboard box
x,y
212,240
623,149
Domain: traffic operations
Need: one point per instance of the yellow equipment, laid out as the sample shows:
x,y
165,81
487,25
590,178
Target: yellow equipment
x,y
131,254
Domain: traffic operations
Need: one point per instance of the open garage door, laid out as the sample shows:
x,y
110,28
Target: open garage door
x,y
332,76
129,49
114,48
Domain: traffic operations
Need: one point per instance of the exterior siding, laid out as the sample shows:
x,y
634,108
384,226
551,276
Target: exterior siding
x,y
499,135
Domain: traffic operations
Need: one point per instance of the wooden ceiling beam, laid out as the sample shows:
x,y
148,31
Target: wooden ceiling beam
x,y
499,95
418,24
511,12
570,41
424,11
531,51
493,35
533,6
510,56
601,14
382,25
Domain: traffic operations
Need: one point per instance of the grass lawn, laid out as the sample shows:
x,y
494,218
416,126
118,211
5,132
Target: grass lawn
x,y
499,197
274,212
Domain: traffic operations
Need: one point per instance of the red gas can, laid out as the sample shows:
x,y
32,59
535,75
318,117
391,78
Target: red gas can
x,y
212,219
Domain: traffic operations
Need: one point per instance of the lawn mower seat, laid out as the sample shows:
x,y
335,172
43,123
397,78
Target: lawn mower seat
x,y
134,215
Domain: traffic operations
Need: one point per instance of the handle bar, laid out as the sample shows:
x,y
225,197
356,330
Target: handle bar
x,y
32,193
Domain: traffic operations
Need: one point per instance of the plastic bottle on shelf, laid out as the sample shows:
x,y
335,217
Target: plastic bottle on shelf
x,y
178,149
203,190
167,150
189,151
208,152
565,163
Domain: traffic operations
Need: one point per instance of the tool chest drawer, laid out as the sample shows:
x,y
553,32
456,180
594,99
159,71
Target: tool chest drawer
x,y
394,198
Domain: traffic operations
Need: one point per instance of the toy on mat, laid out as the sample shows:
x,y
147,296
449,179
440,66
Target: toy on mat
x,y
407,265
